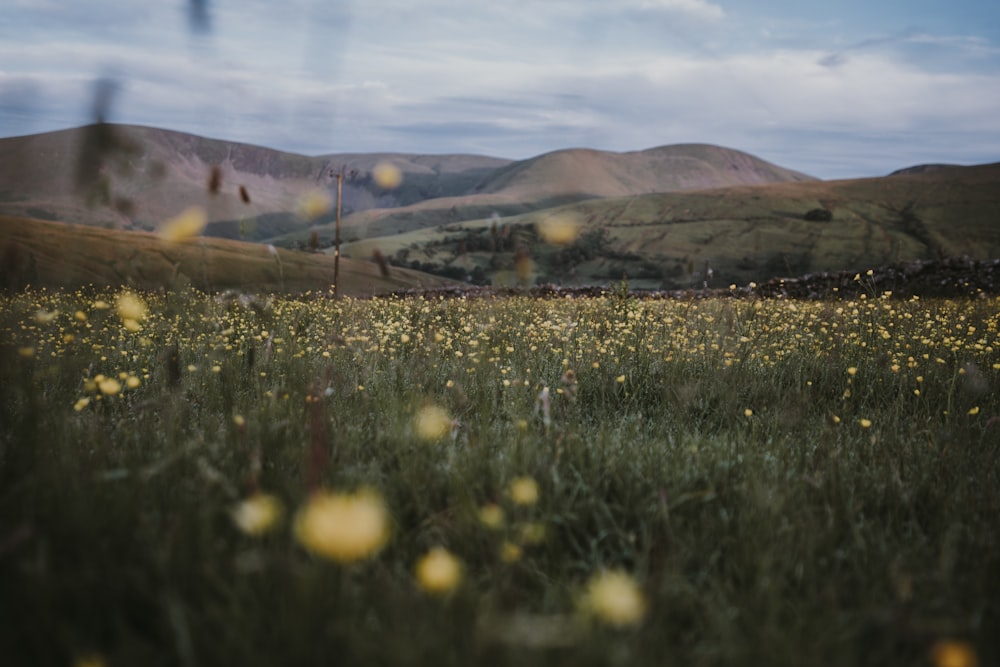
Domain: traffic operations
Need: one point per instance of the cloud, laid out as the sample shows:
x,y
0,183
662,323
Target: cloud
x,y
699,9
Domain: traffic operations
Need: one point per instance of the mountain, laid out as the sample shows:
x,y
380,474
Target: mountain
x,y
563,177
671,216
591,173
132,177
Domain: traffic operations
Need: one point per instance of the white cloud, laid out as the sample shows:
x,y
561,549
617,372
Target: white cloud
x,y
700,9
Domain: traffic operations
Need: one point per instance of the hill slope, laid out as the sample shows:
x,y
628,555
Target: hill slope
x,y
742,234
126,176
43,253
567,176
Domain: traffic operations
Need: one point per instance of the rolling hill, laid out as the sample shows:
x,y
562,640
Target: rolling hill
x,y
722,235
666,217
55,254
131,177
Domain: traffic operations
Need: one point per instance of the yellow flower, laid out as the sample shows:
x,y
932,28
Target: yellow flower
x,y
974,411
524,491
81,404
387,175
44,317
314,204
431,423
27,351
491,516
852,370
343,527
132,382
185,226
130,307
953,653
438,572
559,229
91,660
109,386
532,533
258,514
614,598
748,413
510,552
620,379
865,423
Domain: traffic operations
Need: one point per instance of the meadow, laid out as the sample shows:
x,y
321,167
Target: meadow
x,y
196,479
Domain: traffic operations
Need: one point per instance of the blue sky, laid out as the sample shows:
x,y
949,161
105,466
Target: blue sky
x,y
836,90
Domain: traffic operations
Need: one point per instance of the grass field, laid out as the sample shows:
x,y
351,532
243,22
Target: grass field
x,y
196,480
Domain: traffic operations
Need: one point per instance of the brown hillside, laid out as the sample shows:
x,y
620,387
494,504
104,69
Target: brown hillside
x,y
43,253
663,169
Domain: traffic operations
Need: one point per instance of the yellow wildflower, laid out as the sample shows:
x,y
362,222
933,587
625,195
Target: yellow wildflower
x,y
109,386
258,514
613,597
438,572
343,527
387,175
491,516
130,306
953,653
431,423
185,226
524,491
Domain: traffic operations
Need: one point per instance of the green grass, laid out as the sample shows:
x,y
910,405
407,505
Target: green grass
x,y
714,450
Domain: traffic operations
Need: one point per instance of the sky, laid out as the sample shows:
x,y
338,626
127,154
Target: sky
x,y
834,89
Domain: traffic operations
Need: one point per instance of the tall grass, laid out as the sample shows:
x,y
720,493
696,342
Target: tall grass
x,y
786,483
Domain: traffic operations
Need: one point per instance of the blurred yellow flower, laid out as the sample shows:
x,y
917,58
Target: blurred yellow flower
x,y
44,317
90,660
438,572
510,552
387,175
865,423
523,491
491,515
343,527
559,229
748,413
431,423
852,370
109,386
974,411
184,226
314,204
613,597
258,514
26,351
532,533
130,306
81,403
953,653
